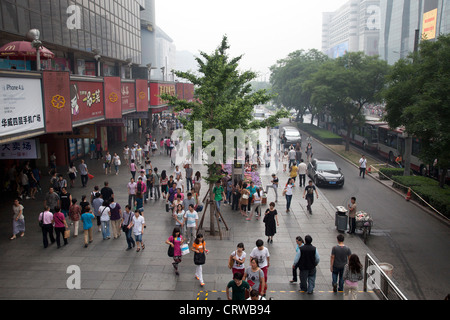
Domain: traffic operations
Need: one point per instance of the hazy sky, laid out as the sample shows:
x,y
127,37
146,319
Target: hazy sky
x,y
263,30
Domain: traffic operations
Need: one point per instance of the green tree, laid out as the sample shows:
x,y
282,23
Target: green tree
x,y
345,85
418,98
224,100
288,78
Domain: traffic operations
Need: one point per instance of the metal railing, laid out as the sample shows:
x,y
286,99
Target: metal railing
x,y
376,280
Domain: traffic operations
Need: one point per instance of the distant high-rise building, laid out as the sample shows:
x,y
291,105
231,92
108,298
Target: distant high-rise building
x,y
401,18
353,27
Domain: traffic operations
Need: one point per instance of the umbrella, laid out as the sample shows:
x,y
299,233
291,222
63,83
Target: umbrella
x,y
19,50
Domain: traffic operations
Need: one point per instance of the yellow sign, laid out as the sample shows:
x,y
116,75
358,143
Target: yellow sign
x,y
58,101
429,25
113,97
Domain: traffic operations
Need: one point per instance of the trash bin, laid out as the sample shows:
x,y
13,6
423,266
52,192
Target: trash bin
x,y
387,268
341,219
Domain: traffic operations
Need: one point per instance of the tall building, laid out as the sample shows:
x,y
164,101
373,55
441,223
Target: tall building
x,y
401,18
76,30
353,27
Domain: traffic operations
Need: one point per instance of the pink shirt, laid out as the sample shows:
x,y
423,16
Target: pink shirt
x,y
59,219
48,217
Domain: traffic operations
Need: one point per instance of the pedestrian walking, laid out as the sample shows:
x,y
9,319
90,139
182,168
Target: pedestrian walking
x,y
299,241
252,188
309,152
362,166
245,199
175,241
178,216
302,169
293,171
116,217
65,200
285,160
138,226
75,215
238,287
291,155
18,219
164,180
156,183
270,217
86,218
288,192
96,204
126,227
72,174
200,252
191,217
105,217
255,277
339,258
117,162
237,259
46,219
308,194
262,254
219,194
83,173
274,186
60,227
131,188
197,182
309,259
352,274
352,216
133,168
256,200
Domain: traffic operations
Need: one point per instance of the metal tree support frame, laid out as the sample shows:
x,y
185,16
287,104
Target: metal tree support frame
x,y
380,282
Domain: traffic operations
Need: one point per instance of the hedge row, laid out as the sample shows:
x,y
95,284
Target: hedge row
x,y
323,135
386,173
428,189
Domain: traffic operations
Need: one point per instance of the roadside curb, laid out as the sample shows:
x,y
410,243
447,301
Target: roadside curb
x,y
426,210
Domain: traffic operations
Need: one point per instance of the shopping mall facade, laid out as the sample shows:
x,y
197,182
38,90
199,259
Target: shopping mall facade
x,y
95,87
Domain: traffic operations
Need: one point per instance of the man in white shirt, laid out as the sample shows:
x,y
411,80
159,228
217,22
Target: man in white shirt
x,y
362,166
302,168
292,156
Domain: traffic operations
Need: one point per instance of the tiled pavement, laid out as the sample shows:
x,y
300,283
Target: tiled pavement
x,y
109,272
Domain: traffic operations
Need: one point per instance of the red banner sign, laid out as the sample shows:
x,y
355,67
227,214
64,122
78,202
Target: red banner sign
x,y
57,102
113,98
128,97
157,89
87,101
141,95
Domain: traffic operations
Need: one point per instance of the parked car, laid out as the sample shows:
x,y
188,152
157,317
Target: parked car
x,y
292,135
325,173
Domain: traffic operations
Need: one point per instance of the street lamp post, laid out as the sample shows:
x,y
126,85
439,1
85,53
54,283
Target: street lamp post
x,y
34,35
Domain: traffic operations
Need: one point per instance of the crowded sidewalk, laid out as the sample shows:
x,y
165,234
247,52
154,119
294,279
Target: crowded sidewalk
x,y
109,271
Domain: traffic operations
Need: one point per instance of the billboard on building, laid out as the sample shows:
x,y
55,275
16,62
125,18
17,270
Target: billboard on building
x,y
429,24
21,106
113,98
86,101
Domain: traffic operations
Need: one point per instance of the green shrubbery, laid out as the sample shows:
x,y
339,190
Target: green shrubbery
x,y
428,189
321,134
386,173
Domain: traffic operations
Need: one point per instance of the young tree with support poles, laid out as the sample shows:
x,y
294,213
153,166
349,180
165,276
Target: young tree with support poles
x,y
223,100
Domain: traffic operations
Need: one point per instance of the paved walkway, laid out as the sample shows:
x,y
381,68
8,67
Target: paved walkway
x,y
109,272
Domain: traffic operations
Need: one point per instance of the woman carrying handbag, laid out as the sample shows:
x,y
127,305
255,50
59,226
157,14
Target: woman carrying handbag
x,y
199,249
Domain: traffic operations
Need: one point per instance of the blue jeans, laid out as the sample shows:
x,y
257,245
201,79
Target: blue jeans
x,y
189,184
105,229
338,272
288,201
308,280
130,240
218,205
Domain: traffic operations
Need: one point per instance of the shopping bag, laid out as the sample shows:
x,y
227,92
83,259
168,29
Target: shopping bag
x,y
184,249
90,176
67,234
